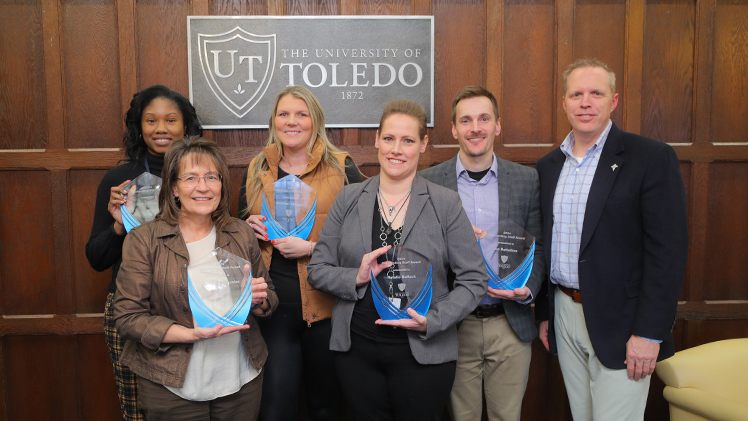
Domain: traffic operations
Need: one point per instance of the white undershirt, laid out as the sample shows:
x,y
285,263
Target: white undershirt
x,y
219,366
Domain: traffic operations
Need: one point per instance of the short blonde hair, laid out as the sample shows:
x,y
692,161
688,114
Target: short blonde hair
x,y
590,62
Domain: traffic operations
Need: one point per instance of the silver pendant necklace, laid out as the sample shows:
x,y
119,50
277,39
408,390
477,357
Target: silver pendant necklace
x,y
391,208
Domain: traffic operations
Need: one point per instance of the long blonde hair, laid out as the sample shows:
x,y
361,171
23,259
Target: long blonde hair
x,y
254,184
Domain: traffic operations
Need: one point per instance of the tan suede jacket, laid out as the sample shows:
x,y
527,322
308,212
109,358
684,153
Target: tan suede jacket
x,y
152,295
315,305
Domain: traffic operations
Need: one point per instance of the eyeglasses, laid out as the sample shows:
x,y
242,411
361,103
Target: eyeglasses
x,y
194,180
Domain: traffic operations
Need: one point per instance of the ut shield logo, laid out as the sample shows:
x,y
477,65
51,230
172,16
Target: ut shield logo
x,y
238,67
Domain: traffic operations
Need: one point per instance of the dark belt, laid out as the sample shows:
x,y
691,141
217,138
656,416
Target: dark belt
x,y
575,294
488,310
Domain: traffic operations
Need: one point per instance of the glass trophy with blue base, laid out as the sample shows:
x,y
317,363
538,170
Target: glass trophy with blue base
x,y
289,206
142,200
515,251
405,284
220,289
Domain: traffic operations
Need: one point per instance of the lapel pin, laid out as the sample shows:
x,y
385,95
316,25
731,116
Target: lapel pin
x,y
613,167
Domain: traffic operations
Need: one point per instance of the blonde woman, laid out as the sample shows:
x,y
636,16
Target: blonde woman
x,y
299,332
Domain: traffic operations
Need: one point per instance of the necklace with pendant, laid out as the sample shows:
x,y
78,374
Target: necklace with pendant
x,y
391,208
386,227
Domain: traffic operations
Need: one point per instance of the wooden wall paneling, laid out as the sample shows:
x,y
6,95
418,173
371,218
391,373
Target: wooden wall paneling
x,y
128,73
236,183
703,70
698,195
23,76
728,116
667,74
608,44
528,72
90,286
460,48
42,372
629,84
27,255
241,137
495,53
563,39
53,60
161,33
687,174
237,7
93,117
705,331
97,397
376,7
3,406
536,391
725,260
62,268
311,7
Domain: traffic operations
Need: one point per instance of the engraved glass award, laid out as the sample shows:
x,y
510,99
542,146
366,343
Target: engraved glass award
x,y
220,289
289,206
515,251
142,200
406,284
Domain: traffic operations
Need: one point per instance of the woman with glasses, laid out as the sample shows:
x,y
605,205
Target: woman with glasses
x,y
299,332
185,371
397,369
157,118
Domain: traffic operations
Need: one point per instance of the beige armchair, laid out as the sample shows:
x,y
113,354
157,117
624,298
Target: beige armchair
x,y
707,382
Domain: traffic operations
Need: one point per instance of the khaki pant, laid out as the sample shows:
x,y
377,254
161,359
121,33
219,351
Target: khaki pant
x,y
491,358
595,391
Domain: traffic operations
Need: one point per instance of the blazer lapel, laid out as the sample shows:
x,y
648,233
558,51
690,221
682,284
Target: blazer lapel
x,y
419,195
366,209
506,198
449,179
608,168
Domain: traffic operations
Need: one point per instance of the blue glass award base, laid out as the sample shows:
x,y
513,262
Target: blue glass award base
x,y
515,252
220,293
406,284
291,209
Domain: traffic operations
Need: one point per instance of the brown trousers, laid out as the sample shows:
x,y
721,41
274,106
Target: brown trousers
x,y
159,404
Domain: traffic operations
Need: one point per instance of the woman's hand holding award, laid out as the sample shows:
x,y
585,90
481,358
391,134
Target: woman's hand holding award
x,y
142,200
289,206
515,251
220,289
405,284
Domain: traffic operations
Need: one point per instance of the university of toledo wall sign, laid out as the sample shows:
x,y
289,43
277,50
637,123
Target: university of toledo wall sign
x,y
353,64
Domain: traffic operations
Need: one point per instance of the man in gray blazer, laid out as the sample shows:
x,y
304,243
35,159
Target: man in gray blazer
x,y
494,350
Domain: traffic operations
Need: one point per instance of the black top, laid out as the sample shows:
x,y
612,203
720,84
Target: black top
x,y
365,313
284,272
104,247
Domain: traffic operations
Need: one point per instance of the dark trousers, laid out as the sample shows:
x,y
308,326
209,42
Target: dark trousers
x,y
384,382
296,351
159,404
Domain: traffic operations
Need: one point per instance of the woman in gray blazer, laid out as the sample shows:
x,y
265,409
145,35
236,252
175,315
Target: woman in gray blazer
x,y
398,369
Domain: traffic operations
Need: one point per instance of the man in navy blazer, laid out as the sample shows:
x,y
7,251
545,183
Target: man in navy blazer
x,y
614,214
495,339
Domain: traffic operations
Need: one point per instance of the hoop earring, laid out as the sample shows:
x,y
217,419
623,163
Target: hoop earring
x,y
176,199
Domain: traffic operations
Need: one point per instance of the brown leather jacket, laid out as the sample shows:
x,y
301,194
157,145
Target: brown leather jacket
x,y
315,305
152,295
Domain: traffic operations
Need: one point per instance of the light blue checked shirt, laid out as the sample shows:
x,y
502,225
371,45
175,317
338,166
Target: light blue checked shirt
x,y
569,204
481,202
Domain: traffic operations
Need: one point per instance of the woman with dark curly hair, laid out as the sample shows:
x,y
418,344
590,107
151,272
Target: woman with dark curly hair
x,y
157,118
